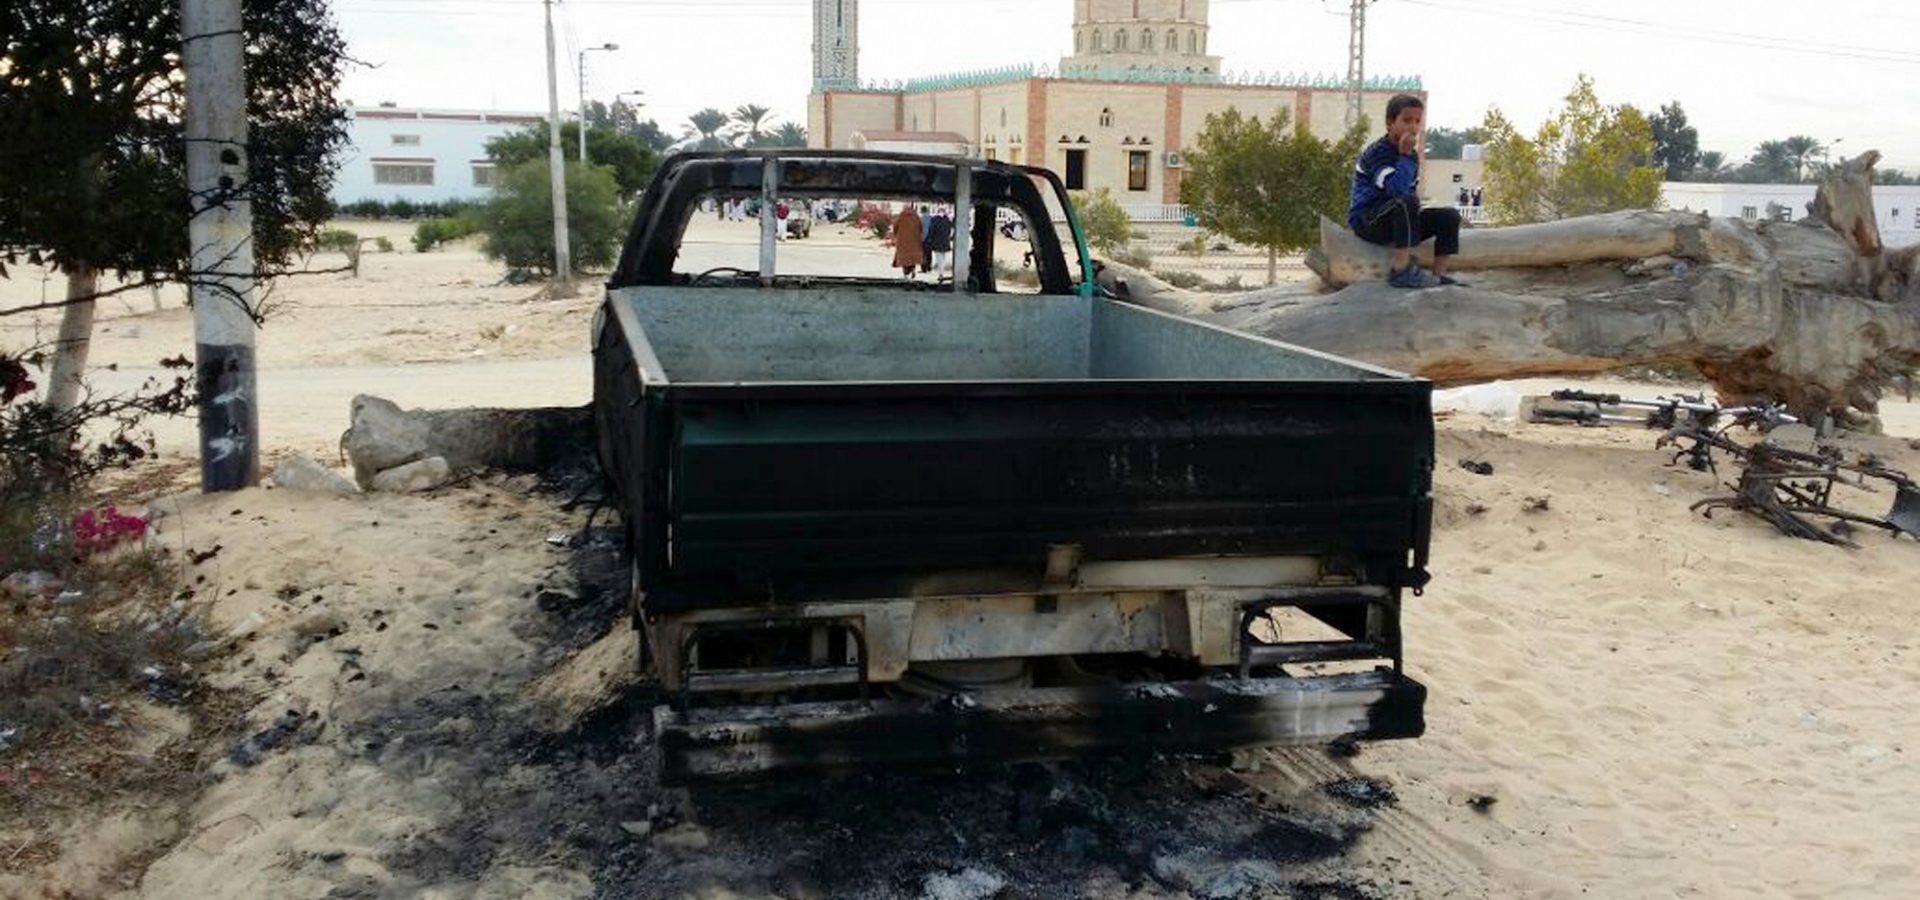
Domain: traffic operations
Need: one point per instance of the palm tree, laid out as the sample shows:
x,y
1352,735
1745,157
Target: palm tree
x,y
1804,150
789,134
1774,161
707,124
751,119
1713,166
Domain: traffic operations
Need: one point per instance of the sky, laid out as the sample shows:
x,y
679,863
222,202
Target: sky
x,y
1846,72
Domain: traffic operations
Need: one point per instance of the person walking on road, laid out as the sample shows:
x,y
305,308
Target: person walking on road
x,y
939,243
908,252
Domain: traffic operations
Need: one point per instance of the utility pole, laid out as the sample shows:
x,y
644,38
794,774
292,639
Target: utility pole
x,y
220,233
1356,59
557,165
581,70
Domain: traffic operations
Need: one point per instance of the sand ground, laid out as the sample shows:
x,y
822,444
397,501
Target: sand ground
x,y
1628,700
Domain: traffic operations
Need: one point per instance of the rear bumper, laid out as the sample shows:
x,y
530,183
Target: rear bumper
x,y
1037,724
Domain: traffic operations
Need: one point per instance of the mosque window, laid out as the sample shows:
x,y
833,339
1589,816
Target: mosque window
x,y
1106,117
1193,43
1146,40
1120,42
1173,41
1079,41
1099,41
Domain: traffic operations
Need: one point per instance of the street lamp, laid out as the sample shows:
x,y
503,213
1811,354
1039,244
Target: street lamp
x,y
625,94
582,70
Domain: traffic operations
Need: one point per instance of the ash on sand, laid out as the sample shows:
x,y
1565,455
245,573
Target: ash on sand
x,y
586,797
1169,826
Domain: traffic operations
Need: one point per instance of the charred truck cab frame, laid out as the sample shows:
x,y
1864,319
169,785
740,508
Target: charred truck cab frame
x,y
880,522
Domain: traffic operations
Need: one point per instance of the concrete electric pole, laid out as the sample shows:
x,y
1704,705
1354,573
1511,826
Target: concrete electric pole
x,y
1356,59
220,232
557,164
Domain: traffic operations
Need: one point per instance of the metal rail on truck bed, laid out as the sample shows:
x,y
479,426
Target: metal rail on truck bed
x,y
870,523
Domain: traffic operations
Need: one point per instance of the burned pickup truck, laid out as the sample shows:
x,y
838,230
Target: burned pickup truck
x,y
880,518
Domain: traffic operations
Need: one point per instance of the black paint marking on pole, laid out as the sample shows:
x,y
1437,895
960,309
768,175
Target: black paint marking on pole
x,y
229,418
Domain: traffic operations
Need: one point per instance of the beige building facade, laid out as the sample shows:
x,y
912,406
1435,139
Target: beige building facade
x,y
1113,116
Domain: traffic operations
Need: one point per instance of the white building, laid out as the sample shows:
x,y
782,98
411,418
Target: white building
x,y
423,155
1897,207
930,143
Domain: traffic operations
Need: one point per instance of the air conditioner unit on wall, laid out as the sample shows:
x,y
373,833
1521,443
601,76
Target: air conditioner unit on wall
x,y
1174,161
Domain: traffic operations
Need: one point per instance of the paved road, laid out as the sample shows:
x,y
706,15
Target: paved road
x,y
305,409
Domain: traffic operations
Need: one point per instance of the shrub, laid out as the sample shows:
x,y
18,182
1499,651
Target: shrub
x,y
363,209
336,240
113,632
339,240
1107,226
44,462
1197,247
1183,280
1137,257
873,218
404,209
518,221
434,232
383,245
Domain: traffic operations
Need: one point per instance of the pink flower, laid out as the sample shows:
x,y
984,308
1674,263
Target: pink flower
x,y
95,530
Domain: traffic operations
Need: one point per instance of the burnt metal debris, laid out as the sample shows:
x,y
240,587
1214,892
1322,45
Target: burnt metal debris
x,y
1788,488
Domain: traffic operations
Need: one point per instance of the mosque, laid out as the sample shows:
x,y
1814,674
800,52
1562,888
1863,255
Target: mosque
x,y
1115,114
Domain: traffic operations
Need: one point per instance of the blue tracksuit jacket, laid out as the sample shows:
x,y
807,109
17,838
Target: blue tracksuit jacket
x,y
1381,174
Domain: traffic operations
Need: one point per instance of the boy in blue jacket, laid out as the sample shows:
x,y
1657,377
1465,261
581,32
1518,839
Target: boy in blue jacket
x,y
1386,200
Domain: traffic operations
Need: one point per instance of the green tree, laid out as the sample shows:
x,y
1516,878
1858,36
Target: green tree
x,y
1771,162
1676,144
750,124
705,125
630,159
1268,183
599,115
1713,167
1803,150
1587,159
789,134
93,145
1451,143
651,134
1104,221
518,221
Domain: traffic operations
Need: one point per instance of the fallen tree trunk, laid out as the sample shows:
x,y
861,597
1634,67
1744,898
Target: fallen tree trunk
x,y
1343,258
1811,350
1814,314
384,437
1808,255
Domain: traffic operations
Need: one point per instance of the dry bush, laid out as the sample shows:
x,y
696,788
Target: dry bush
x,y
114,630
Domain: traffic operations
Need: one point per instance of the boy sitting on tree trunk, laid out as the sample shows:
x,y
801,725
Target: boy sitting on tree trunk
x,y
1386,201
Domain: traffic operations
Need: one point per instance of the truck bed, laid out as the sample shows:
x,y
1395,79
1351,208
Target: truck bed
x,y
878,442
